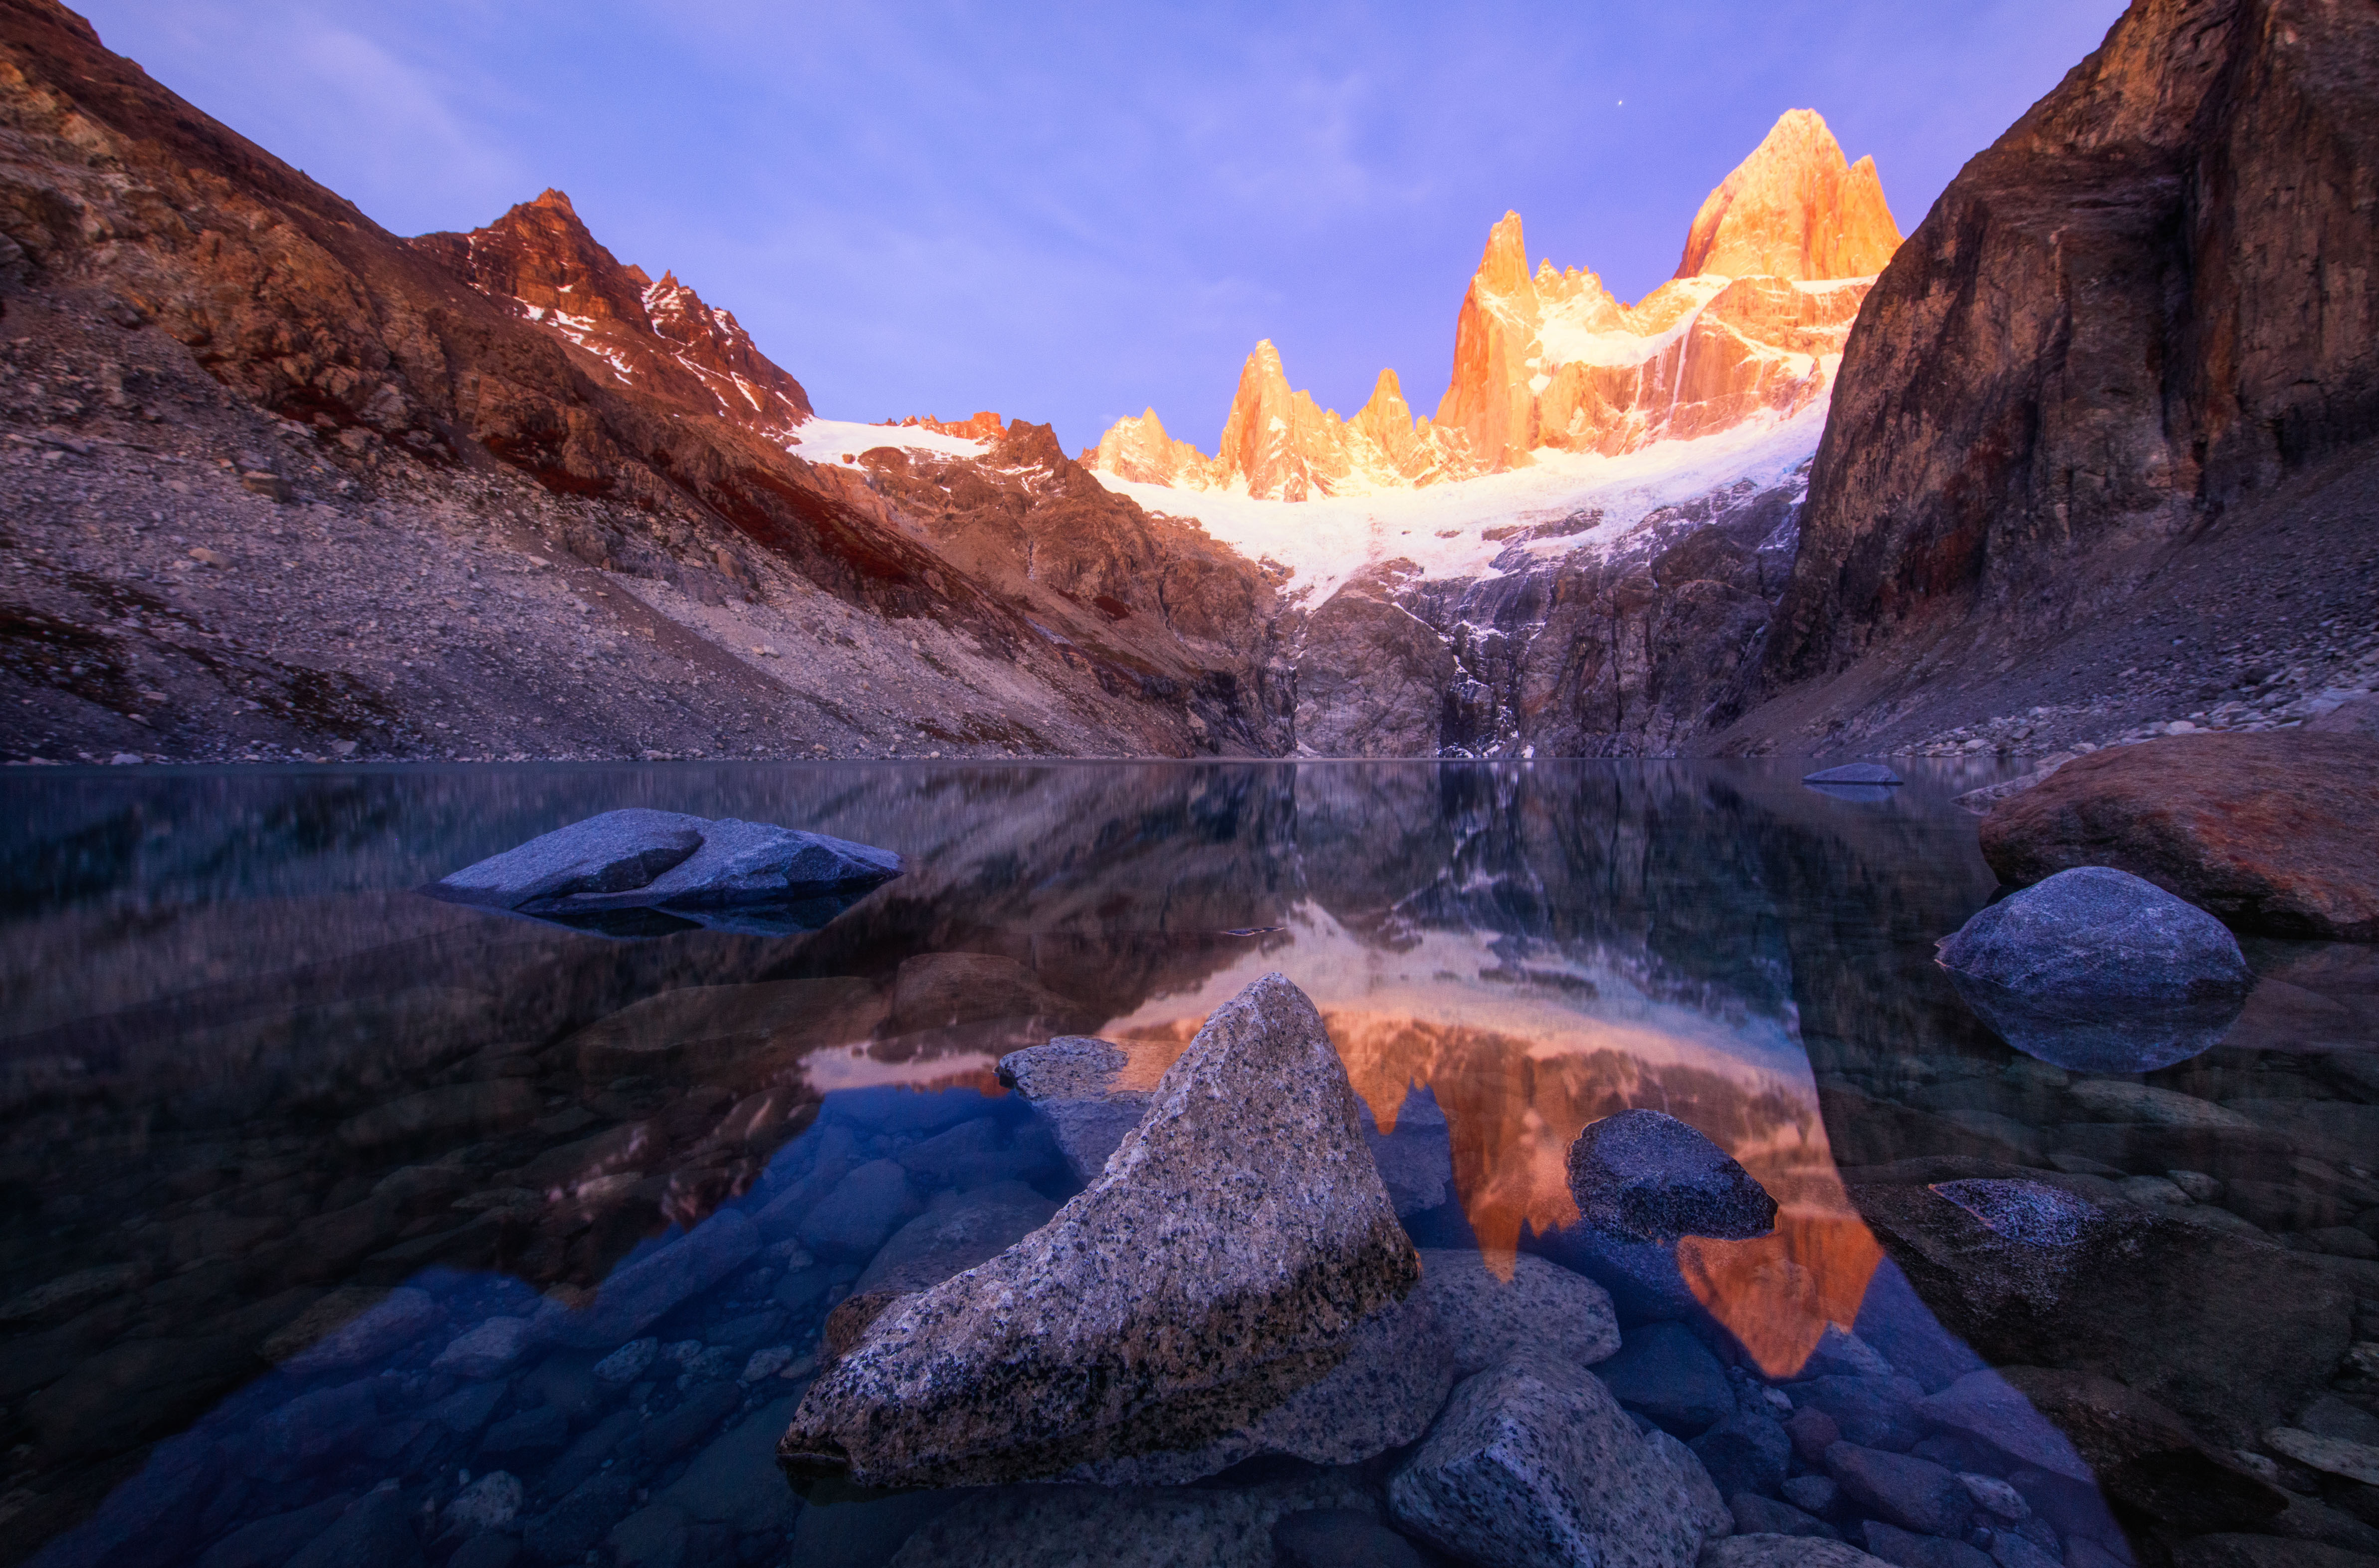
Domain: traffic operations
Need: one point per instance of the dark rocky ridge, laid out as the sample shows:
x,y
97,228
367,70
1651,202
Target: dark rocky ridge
x,y
2126,365
378,387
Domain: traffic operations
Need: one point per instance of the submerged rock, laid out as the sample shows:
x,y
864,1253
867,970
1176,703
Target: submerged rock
x,y
1223,1261
1072,1083
1786,1551
624,871
1488,1319
1649,1176
1853,773
2097,933
1122,1527
1534,1463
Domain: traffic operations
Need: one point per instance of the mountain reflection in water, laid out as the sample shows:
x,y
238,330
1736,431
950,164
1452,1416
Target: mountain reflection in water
x,y
253,1081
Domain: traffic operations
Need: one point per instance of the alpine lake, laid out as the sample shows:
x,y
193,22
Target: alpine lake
x,y
285,1138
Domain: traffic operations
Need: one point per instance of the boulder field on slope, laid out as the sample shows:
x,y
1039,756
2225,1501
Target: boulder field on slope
x,y
2275,833
1225,1259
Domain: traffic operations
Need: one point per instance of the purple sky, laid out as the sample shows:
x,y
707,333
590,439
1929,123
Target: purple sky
x,y
1069,213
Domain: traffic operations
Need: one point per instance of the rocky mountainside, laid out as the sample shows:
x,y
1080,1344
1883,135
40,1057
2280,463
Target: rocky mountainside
x,y
2101,451
1775,266
282,484
538,262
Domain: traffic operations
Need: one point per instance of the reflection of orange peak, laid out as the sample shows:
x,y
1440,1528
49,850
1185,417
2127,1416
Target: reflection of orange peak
x,y
1512,1115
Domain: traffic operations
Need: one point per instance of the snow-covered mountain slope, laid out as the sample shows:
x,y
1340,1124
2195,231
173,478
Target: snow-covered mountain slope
x,y
1565,502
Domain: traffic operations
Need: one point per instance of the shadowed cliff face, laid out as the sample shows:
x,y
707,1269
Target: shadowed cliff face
x,y
2150,303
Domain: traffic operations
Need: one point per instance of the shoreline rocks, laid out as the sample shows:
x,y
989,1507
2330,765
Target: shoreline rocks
x,y
1236,1240
2273,833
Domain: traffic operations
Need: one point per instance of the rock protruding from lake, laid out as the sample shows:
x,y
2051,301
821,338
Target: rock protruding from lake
x,y
1853,773
2097,932
2275,833
1647,1175
666,864
1224,1260
1534,1463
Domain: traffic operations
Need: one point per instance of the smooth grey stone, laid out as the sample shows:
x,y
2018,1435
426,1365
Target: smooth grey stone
x,y
1533,1465
1070,1083
268,1543
953,1234
1416,1161
1341,1537
735,1481
1747,1452
653,1537
1784,1551
1223,1261
1648,1175
648,1289
1812,1494
2097,1034
1542,1307
1983,1406
2010,1550
757,861
584,1518
1908,1548
1869,1412
610,854
1844,1355
521,1439
1040,1527
1662,1370
1756,1515
2094,932
861,1213
467,1410
375,1533
1853,773
1913,1493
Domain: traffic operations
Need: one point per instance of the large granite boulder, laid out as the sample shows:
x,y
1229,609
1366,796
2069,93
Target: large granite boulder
x,y
1647,1175
2275,833
1224,1260
1533,1465
640,872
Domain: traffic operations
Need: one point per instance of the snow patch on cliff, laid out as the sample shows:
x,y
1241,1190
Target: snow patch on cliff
x,y
1443,529
827,440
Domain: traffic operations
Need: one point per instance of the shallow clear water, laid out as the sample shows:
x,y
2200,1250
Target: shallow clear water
x,y
281,1132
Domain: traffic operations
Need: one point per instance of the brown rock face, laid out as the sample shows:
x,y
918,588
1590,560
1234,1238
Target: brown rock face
x,y
1775,268
985,426
2154,298
2274,832
538,261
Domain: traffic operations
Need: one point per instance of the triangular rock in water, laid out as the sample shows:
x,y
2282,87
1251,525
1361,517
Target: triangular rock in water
x,y
1222,1263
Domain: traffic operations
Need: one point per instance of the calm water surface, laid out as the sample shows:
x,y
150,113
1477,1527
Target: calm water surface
x,y
284,1136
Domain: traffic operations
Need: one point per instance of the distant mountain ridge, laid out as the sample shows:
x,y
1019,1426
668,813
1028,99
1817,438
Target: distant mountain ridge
x,y
1777,262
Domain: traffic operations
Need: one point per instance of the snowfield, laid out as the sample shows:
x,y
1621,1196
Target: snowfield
x,y
1443,529
828,441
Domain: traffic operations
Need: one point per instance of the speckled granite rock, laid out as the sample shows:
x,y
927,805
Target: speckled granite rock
x,y
1394,1379
1071,1085
1533,1465
1542,1307
639,858
1223,1261
1644,1174
2095,933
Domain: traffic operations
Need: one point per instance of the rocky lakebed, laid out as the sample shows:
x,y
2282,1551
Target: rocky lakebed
x,y
1499,1164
